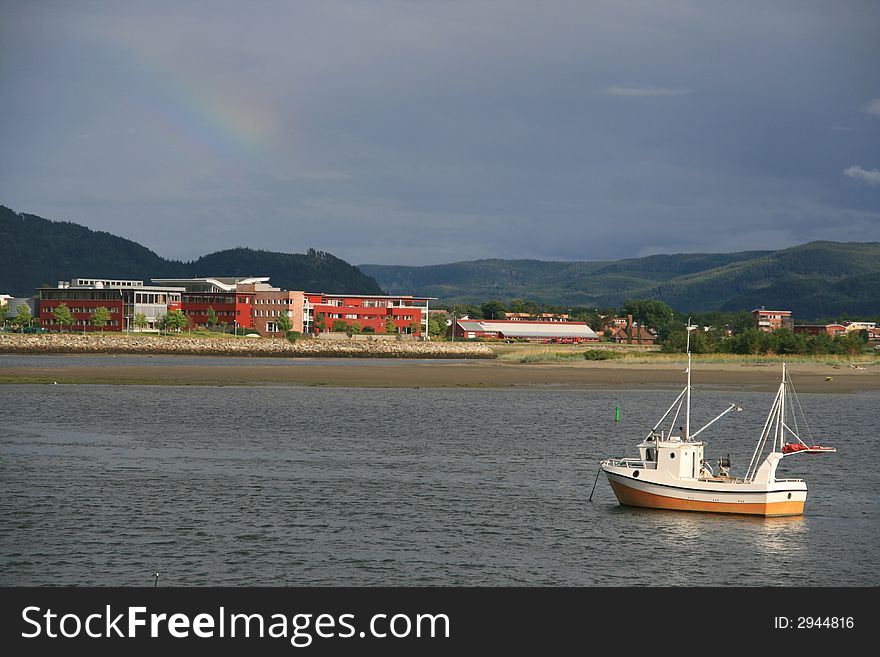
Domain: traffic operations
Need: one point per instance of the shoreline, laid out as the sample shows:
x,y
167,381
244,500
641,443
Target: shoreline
x,y
184,345
488,374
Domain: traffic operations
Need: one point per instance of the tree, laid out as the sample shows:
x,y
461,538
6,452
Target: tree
x,y
62,315
788,342
389,325
4,312
675,342
747,342
820,344
100,317
590,316
140,320
742,321
649,313
283,322
850,344
320,323
23,316
175,320
415,328
474,312
339,326
493,310
531,308
212,316
354,328
437,325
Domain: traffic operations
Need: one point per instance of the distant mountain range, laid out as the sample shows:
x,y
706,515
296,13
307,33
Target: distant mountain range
x,y
36,251
815,280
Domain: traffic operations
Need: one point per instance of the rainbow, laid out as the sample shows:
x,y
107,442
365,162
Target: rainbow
x,y
203,113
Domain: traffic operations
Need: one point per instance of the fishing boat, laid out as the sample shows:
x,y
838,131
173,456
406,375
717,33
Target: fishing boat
x,y
671,471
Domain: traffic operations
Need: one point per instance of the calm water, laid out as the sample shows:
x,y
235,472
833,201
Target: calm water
x,y
104,485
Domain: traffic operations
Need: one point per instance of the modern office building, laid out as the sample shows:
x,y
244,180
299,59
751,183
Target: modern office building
x,y
271,303
125,301
408,314
231,299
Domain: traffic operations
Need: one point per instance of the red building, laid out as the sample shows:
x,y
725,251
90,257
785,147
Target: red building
x,y
634,335
539,317
522,330
231,305
124,300
819,329
771,320
630,332
408,314
270,304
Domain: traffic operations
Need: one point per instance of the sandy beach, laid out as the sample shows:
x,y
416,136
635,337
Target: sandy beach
x,y
808,377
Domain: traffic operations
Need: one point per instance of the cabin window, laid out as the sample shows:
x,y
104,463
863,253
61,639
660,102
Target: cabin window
x,y
672,455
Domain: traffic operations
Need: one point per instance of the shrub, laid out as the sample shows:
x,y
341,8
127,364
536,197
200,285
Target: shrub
x,y
599,354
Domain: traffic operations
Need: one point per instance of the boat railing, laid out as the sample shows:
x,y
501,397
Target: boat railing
x,y
630,463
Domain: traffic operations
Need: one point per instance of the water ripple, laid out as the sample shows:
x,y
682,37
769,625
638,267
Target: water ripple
x,y
313,486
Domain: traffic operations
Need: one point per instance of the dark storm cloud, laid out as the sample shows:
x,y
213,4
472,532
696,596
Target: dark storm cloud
x,y
426,132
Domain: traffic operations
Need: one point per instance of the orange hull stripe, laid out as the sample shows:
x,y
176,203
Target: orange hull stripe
x,y
634,497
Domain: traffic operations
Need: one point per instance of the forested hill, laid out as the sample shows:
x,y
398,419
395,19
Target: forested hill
x,y
315,271
815,280
36,251
819,279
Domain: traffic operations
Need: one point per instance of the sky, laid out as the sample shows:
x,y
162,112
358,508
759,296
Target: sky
x,y
427,132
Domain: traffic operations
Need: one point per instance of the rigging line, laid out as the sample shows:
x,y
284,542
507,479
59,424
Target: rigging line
x,y
668,411
801,409
796,432
675,417
762,439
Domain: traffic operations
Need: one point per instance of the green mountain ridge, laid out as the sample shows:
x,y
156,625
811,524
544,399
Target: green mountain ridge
x,y
814,280
38,251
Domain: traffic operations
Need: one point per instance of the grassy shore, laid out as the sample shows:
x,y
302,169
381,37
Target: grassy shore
x,y
641,356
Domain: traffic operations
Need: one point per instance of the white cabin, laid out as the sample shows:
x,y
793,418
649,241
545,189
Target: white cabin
x,y
671,456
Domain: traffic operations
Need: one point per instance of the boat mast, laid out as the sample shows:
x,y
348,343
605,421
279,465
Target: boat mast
x,y
782,411
687,408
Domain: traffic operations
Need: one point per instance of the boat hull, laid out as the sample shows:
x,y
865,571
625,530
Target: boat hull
x,y
735,499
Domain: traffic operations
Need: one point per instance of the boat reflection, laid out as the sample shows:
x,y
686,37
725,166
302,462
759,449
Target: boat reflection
x,y
772,541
